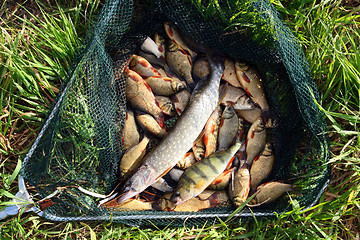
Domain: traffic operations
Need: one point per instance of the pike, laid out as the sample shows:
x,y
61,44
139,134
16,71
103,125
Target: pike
x,y
180,138
200,175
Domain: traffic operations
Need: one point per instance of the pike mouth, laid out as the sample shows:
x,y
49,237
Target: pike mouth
x,y
128,193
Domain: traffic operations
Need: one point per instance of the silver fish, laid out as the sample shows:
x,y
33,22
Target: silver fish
x,y
181,137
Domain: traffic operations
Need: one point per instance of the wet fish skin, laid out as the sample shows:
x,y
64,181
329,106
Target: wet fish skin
x,y
201,68
141,66
211,131
131,135
141,97
200,175
179,61
164,86
153,60
162,186
229,126
239,187
222,181
180,100
175,174
181,137
249,115
174,34
132,158
270,191
262,166
255,141
199,150
186,161
166,105
129,205
230,73
252,84
149,124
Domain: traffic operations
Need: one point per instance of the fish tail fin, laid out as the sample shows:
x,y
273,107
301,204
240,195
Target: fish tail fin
x,y
160,120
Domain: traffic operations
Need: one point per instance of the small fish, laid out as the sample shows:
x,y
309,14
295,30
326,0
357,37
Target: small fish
x,y
132,158
230,73
181,137
198,149
211,131
131,135
150,46
149,124
141,66
186,161
200,175
174,35
166,105
141,97
180,100
237,97
239,187
164,86
129,205
204,200
222,181
252,84
249,115
229,126
201,68
179,61
262,166
270,191
255,141
162,186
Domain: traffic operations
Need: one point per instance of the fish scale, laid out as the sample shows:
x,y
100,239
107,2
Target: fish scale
x,y
200,175
181,137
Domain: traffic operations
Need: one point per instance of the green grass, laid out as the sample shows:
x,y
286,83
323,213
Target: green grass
x,y
35,56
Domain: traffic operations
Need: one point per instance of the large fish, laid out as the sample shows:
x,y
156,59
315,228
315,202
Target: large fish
x,y
270,191
164,86
200,175
140,96
239,187
230,73
149,124
181,137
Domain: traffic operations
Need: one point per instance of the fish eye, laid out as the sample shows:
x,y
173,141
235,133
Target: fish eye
x,y
176,194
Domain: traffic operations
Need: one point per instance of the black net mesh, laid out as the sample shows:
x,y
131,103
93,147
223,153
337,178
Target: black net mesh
x,y
80,143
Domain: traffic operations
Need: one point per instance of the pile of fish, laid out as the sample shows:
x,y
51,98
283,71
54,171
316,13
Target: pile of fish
x,y
195,130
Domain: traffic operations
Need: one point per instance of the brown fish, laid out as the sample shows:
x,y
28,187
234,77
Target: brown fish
x,y
179,61
149,124
239,187
249,115
164,86
252,84
199,149
270,191
229,74
180,100
201,68
129,205
141,66
211,131
166,105
229,126
141,97
133,157
130,135
174,34
186,161
255,141
262,166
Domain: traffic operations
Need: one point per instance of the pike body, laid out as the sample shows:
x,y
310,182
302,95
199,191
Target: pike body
x,y
180,138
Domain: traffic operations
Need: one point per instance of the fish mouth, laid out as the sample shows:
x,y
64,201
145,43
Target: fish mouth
x,y
128,193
